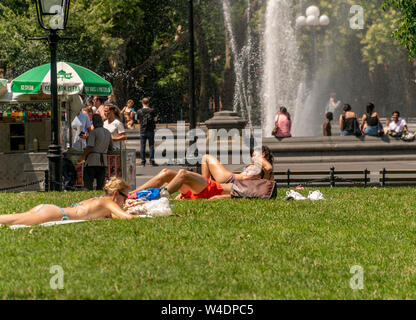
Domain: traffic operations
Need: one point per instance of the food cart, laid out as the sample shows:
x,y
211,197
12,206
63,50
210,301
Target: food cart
x,y
25,136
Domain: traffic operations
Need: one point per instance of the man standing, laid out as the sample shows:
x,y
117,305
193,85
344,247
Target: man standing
x,y
110,100
147,119
98,103
333,106
95,155
81,126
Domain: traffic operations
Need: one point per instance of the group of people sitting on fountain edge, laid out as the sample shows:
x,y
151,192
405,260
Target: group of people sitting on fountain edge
x,y
370,124
350,125
215,182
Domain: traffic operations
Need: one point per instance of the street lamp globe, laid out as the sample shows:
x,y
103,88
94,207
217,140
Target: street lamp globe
x,y
301,21
324,20
313,11
52,14
312,20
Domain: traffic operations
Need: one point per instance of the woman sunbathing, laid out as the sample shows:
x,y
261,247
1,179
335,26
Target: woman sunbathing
x,y
262,167
108,206
191,185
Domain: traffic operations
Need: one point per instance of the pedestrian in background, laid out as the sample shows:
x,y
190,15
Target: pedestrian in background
x,y
98,103
99,143
115,126
128,114
81,127
111,100
147,119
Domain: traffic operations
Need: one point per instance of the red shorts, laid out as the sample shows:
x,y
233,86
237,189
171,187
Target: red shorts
x,y
213,189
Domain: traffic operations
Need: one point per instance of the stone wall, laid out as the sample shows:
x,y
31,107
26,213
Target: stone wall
x,y
23,170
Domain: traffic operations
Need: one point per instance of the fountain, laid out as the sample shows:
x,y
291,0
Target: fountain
x,y
284,81
282,74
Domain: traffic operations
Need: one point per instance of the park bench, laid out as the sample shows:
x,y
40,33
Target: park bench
x,y
397,177
329,177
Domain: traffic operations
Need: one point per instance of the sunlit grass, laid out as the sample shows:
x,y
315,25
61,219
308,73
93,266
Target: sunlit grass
x,y
228,249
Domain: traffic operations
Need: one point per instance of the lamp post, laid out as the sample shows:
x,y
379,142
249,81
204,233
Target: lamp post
x,y
192,106
53,16
313,19
191,90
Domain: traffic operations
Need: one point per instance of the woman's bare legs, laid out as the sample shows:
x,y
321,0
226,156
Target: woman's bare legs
x,y
186,181
212,167
164,176
37,215
182,181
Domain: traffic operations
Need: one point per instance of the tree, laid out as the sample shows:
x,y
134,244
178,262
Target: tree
x,y
405,32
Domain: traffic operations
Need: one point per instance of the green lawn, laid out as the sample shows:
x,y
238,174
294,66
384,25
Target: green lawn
x,y
221,250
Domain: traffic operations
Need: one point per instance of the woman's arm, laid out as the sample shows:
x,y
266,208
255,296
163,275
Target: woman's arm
x,y
341,124
362,122
116,211
122,136
267,167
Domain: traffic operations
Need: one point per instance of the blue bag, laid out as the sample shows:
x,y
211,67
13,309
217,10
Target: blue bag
x,y
148,194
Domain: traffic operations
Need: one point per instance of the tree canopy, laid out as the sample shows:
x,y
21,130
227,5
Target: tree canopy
x,y
141,46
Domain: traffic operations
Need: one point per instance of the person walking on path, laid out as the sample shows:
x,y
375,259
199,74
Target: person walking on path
x,y
115,126
95,155
147,119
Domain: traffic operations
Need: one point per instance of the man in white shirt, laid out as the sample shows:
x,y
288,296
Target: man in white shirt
x,y
398,126
115,126
81,126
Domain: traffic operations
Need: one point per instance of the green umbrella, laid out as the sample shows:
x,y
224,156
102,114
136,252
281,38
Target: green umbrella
x,y
72,79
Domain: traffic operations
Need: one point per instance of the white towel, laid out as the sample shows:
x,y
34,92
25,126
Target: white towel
x,y
47,224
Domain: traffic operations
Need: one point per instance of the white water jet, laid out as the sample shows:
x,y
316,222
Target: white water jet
x,y
241,59
281,77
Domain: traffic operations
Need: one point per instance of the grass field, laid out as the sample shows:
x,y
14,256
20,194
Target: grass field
x,y
227,249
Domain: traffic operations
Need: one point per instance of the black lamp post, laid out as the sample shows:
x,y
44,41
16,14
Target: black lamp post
x,y
53,16
191,86
192,114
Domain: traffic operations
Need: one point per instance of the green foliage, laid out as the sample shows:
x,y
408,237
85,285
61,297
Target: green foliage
x,y
227,249
405,29
116,37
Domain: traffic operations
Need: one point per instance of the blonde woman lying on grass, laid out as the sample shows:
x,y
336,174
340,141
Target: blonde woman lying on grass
x,y
108,206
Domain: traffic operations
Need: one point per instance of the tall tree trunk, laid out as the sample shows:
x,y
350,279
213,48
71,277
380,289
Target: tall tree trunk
x,y
204,66
120,81
228,79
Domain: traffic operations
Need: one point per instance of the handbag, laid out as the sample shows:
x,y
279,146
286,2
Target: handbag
x,y
357,130
274,132
254,189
